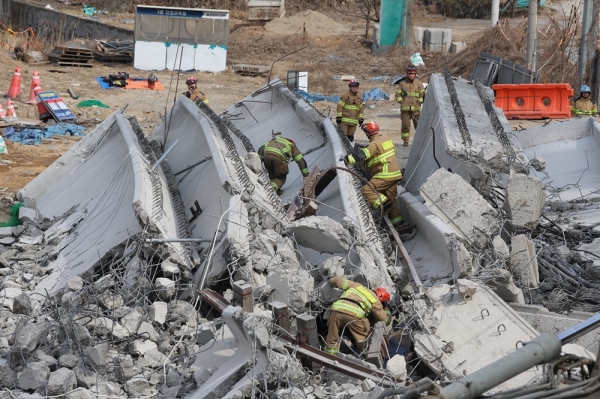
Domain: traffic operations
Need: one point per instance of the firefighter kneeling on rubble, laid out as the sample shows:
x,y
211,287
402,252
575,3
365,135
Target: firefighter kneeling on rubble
x,y
380,158
276,155
352,311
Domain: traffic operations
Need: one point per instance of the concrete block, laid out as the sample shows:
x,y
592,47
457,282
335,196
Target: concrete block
x,y
165,288
169,269
437,39
397,365
124,368
7,240
538,163
119,332
146,331
34,376
418,33
152,358
157,312
6,232
460,206
97,355
457,47
139,347
132,320
111,301
28,337
101,326
291,288
505,287
86,378
68,360
80,393
334,266
525,200
290,393
328,295
61,381
501,250
22,304
74,283
252,160
322,234
523,261
138,387
27,215
7,377
201,375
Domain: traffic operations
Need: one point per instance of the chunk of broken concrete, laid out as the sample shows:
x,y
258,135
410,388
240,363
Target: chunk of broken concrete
x,y
525,200
460,206
504,286
27,215
169,269
139,347
165,288
61,381
501,250
34,376
334,266
138,387
157,312
291,288
22,304
97,355
322,234
397,365
523,261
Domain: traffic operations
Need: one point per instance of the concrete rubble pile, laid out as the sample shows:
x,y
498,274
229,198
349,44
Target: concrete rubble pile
x,y
166,278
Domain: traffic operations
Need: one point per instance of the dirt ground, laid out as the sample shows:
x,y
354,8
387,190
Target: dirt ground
x,y
347,53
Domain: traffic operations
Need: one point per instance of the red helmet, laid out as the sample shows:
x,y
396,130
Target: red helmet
x,y
191,80
410,69
382,294
370,128
353,83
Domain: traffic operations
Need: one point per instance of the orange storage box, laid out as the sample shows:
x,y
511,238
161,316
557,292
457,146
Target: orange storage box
x,y
534,101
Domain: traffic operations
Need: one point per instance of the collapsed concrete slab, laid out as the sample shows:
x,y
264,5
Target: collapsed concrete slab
x,y
474,146
462,334
115,157
523,261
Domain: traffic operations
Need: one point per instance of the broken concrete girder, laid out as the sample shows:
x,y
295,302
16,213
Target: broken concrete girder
x,y
525,200
114,159
504,286
469,146
461,336
273,108
523,261
460,206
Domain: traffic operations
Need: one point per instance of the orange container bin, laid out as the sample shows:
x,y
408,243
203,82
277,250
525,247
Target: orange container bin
x,y
534,101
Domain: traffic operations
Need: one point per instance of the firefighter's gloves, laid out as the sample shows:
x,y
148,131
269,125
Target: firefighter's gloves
x,y
388,315
305,175
338,120
361,121
349,160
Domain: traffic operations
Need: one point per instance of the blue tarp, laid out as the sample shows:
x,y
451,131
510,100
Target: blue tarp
x,y
375,95
309,97
34,136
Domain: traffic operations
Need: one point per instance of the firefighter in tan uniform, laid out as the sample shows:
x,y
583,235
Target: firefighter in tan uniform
x,y
276,155
584,106
352,311
380,158
410,96
350,110
193,93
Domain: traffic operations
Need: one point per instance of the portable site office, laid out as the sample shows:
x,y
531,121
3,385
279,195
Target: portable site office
x,y
183,39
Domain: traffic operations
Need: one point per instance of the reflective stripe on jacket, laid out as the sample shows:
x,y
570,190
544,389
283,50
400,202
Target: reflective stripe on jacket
x,y
380,158
410,95
357,300
350,108
584,106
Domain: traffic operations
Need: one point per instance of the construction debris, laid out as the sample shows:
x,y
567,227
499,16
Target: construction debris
x,y
179,272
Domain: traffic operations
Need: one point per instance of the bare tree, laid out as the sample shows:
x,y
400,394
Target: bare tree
x,y
369,10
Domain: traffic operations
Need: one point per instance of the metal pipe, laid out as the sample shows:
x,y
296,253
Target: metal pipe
x,y
165,154
541,349
586,24
531,35
179,240
579,329
495,12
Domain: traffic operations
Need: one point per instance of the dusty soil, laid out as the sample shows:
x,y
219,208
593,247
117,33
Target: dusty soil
x,y
346,53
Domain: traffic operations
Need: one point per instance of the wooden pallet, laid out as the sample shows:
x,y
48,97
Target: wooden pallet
x,y
250,70
74,64
71,57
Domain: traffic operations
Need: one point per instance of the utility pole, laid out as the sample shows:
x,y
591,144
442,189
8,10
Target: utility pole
x,y
495,12
532,37
586,24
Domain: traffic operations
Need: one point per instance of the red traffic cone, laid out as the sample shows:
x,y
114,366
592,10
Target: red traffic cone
x,y
15,85
43,112
2,112
35,89
10,109
35,81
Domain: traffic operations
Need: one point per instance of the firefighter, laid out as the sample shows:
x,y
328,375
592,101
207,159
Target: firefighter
x,y
350,110
193,93
276,154
380,157
584,106
410,96
352,311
